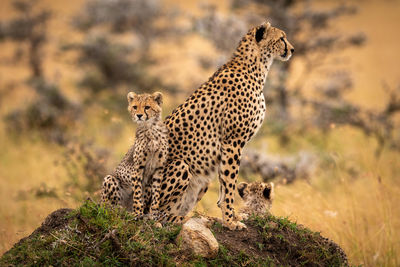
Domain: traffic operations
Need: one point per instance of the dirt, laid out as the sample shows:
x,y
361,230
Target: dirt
x,y
281,244
266,241
237,241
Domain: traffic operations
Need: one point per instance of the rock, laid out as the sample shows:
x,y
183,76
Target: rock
x,y
197,238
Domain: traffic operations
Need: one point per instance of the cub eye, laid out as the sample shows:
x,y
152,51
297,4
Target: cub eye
x,y
146,107
134,107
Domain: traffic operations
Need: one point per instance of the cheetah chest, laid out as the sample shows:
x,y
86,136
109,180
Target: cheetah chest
x,y
258,118
153,160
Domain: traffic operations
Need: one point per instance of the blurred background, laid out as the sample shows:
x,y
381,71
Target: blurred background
x,y
330,140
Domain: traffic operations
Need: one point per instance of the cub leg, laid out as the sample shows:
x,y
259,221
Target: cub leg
x,y
155,193
110,191
137,177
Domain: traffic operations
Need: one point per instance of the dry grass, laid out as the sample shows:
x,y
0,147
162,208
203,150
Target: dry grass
x,y
360,212
358,209
24,167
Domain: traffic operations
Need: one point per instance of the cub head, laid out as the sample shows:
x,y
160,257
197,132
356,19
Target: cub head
x,y
144,107
272,42
257,196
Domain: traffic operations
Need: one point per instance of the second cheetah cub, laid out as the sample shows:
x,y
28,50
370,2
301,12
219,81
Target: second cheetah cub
x,y
257,198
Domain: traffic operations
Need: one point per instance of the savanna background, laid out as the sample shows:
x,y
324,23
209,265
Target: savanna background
x,y
330,140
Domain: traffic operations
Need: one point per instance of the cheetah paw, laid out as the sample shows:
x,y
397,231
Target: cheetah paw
x,y
157,225
235,225
241,217
244,216
154,216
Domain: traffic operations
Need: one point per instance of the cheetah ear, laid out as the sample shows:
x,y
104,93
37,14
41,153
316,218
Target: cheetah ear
x,y
260,32
267,25
130,97
268,191
158,97
241,189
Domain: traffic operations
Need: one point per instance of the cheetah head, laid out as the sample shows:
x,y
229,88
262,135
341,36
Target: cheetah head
x,y
144,107
272,42
257,196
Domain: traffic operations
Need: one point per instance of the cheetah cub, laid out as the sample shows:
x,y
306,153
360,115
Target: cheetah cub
x,y
135,183
257,198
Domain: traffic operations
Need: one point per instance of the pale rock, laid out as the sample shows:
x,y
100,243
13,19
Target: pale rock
x,y
196,237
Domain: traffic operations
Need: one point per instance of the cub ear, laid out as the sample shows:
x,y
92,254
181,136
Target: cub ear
x,y
158,97
241,189
130,97
268,191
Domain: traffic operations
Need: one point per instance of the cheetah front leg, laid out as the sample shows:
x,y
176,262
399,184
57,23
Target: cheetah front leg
x,y
137,189
228,172
155,193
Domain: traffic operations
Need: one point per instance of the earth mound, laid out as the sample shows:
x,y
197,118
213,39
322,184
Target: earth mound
x,y
97,235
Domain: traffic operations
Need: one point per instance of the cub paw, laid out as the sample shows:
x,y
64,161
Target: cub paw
x,y
138,215
241,216
155,216
244,216
158,225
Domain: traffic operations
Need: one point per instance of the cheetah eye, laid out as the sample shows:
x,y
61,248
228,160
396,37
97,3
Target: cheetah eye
x,y
282,39
134,107
146,107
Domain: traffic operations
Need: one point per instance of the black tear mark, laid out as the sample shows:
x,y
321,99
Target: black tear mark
x,y
260,34
284,54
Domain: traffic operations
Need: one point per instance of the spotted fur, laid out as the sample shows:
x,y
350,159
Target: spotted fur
x,y
257,198
209,130
135,183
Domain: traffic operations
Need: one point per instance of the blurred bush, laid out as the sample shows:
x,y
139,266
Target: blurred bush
x,y
107,58
51,113
114,55
310,30
29,30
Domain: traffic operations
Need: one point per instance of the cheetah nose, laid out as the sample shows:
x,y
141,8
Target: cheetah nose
x,y
292,50
139,116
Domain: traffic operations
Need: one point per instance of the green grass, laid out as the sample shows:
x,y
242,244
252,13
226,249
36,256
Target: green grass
x,y
85,239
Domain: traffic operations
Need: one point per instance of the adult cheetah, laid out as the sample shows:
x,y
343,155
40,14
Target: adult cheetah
x,y
209,130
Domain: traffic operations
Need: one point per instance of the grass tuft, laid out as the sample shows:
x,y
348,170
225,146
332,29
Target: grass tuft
x,y
99,235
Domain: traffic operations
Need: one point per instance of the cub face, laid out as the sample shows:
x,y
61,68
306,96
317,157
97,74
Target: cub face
x,y
144,107
257,195
272,42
